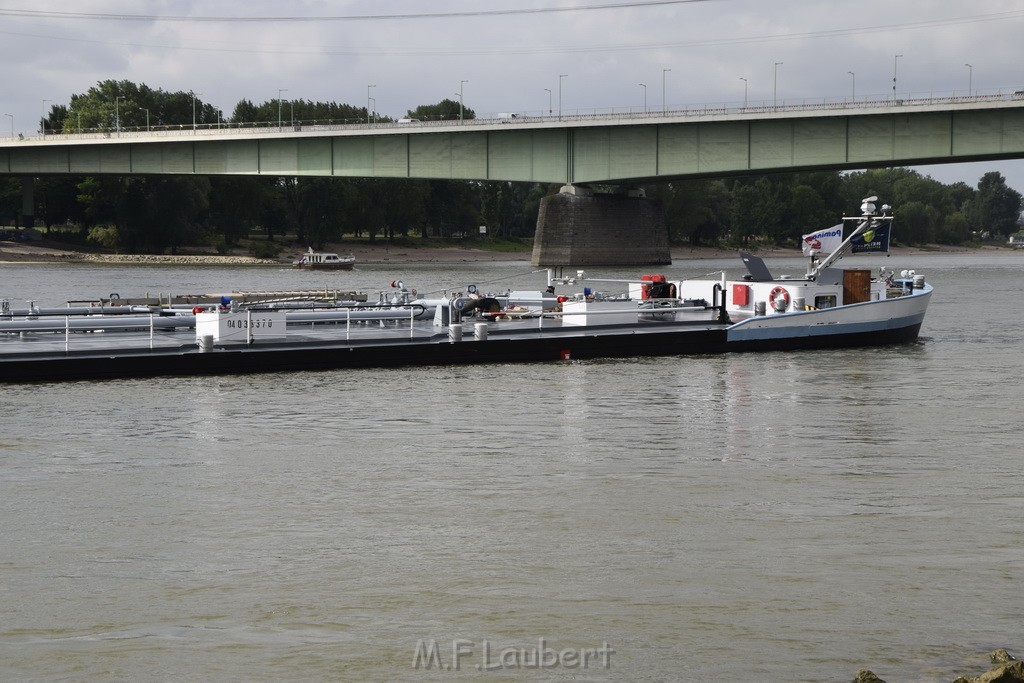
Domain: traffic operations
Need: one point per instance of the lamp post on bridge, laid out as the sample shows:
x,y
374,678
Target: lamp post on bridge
x,y
853,86
744,91
42,121
461,83
644,86
117,114
664,106
147,117
280,122
895,63
194,96
970,79
368,101
560,77
775,87
550,111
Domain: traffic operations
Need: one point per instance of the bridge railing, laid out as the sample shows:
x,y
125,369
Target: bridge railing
x,y
289,128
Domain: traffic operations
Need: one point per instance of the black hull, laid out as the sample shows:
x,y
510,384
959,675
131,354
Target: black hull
x,y
302,357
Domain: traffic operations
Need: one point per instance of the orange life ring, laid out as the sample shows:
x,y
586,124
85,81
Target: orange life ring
x,y
778,292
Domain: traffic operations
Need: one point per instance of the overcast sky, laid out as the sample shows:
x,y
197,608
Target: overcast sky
x,y
511,53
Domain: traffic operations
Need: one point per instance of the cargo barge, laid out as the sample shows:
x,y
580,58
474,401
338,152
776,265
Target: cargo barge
x,y
653,315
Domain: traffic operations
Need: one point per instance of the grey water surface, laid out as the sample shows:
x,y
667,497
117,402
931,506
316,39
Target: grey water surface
x,y
768,516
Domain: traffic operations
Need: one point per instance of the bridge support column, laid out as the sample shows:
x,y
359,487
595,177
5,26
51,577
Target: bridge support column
x,y
28,203
580,227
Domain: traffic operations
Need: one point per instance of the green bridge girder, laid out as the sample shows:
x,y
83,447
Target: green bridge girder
x,y
571,150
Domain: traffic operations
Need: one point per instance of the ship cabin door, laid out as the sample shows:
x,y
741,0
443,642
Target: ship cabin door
x,y
856,286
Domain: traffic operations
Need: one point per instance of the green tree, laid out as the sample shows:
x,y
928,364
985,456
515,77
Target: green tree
x,y
451,207
996,207
122,105
236,206
273,210
301,112
696,211
915,223
955,229
808,211
56,200
960,193
503,208
162,212
10,200
98,197
445,110
760,209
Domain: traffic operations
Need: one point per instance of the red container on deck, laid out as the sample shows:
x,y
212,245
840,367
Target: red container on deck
x,y
645,290
741,294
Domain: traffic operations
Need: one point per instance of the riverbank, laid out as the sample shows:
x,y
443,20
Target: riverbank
x,y
48,252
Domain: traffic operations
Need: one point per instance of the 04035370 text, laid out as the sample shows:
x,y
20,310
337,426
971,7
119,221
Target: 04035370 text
x,y
483,655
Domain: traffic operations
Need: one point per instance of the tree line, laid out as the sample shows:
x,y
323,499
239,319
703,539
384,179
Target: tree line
x,y
160,213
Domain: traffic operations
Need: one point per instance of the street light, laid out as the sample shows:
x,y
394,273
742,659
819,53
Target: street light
x,y
117,114
560,77
644,86
12,123
194,96
895,62
663,105
775,91
368,102
280,124
549,101
744,91
970,79
461,83
853,86
147,117
42,121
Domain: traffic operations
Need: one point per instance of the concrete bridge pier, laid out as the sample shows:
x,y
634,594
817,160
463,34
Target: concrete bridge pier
x,y
28,203
583,227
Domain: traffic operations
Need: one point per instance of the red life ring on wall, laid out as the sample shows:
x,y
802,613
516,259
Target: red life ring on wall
x,y
778,293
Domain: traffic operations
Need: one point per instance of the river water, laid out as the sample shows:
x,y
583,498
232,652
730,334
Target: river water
x,y
769,516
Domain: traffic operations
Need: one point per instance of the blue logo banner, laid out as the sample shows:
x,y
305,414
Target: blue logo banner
x,y
873,239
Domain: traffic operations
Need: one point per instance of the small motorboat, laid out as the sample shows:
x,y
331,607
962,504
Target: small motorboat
x,y
324,260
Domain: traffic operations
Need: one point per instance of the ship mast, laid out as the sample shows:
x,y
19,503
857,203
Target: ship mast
x,y
868,219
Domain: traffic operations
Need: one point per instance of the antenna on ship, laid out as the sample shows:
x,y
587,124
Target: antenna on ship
x,y
868,219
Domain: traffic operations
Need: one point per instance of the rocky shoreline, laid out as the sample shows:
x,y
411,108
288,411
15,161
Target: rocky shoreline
x,y
28,252
167,259
1005,669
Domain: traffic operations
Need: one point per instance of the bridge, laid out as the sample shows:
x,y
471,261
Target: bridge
x,y
619,150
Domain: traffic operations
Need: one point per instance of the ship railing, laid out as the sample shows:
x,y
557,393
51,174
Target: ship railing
x,y
55,324
558,315
71,324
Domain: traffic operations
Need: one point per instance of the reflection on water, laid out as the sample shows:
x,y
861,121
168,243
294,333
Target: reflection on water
x,y
758,516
